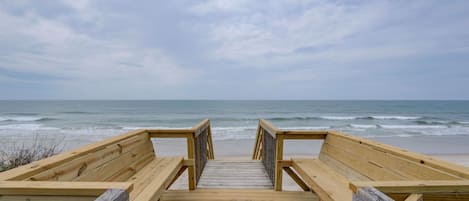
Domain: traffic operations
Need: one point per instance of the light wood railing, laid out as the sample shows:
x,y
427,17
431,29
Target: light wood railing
x,y
199,148
269,149
62,177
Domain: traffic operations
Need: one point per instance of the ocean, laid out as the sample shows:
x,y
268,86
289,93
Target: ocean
x,y
83,121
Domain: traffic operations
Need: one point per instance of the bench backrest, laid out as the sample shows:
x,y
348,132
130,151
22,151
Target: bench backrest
x,y
116,161
381,162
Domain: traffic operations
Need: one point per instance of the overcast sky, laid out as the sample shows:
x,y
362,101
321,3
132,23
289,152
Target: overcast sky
x,y
227,49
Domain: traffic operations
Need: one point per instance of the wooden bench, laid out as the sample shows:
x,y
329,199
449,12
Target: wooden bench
x,y
344,159
128,158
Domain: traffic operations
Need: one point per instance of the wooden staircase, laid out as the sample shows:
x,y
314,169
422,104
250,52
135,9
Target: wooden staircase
x,y
234,174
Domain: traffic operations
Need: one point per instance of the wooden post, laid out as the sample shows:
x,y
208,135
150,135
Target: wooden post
x,y
190,155
210,143
278,166
370,194
114,195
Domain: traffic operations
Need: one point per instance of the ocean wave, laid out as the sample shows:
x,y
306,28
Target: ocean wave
x,y
412,126
30,127
292,118
365,126
76,112
396,117
370,117
26,118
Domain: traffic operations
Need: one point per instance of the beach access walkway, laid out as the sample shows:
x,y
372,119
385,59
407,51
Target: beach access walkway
x,y
126,167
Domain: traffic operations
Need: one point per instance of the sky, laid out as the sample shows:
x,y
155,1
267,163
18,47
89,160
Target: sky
x,y
234,49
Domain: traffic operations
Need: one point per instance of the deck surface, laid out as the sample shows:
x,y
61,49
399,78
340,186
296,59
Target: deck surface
x,y
234,174
237,194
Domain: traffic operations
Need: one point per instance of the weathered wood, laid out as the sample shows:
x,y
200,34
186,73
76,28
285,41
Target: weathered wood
x,y
223,174
370,194
424,186
200,127
114,195
60,188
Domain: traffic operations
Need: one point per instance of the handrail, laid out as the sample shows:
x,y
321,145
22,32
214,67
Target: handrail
x,y
269,148
199,147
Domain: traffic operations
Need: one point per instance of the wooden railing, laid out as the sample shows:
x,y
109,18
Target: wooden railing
x,y
269,149
199,147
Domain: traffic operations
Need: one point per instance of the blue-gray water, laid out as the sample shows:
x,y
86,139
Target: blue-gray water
x,y
236,119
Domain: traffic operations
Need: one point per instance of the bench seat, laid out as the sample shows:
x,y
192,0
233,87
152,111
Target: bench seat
x,y
152,180
322,179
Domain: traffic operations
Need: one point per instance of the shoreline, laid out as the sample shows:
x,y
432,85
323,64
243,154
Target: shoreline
x,y
450,148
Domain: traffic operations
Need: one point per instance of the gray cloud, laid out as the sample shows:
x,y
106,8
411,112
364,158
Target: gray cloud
x,y
223,49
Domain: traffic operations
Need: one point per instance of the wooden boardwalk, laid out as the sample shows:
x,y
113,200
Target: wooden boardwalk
x,y
234,174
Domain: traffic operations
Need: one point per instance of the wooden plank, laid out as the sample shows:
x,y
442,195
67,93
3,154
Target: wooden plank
x,y
168,131
155,169
125,173
237,194
360,164
415,197
294,136
162,177
296,178
227,173
168,135
95,166
342,169
325,182
191,155
33,168
257,144
424,186
201,126
114,195
60,188
393,164
45,198
271,129
370,194
278,165
211,154
451,168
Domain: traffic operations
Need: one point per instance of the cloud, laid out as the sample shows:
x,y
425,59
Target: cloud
x,y
39,45
222,49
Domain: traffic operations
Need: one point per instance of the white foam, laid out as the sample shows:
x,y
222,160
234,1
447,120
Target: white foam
x,y
150,127
363,126
340,117
396,117
412,126
26,127
23,118
307,128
